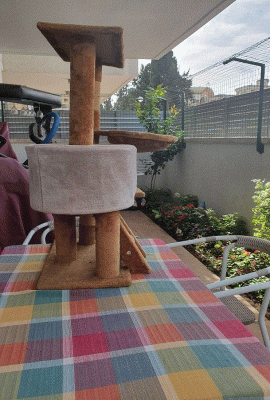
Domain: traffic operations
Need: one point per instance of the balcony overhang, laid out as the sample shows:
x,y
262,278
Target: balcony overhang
x,y
151,28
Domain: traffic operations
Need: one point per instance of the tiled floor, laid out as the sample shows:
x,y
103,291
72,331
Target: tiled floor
x,y
143,227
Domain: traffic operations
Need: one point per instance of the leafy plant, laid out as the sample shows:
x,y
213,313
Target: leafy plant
x,y
228,224
240,262
149,116
261,211
184,199
183,219
154,198
182,222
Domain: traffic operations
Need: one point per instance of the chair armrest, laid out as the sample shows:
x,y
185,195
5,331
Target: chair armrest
x,y
241,278
202,240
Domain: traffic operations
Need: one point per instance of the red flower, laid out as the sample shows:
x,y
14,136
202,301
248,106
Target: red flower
x,y
176,223
254,263
256,251
171,214
190,205
165,213
240,271
182,216
247,253
179,208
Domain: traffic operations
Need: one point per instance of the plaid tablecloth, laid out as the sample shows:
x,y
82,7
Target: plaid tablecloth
x,y
164,337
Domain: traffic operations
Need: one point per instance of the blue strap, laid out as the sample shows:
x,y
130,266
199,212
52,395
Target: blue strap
x,y
55,126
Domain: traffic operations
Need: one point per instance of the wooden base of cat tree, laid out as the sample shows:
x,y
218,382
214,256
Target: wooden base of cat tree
x,y
78,274
81,272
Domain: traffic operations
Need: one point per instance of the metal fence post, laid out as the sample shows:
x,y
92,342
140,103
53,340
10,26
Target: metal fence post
x,y
260,145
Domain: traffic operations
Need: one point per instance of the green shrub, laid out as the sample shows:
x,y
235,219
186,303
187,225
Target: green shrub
x,y
228,224
182,222
184,199
155,197
261,211
183,219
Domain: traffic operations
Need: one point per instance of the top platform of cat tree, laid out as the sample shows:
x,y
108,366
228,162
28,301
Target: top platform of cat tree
x,y
143,141
108,41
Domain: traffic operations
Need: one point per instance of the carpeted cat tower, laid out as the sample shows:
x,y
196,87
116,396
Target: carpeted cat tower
x,y
86,179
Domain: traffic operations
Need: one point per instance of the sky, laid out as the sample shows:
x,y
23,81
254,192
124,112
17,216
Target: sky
x,y
242,24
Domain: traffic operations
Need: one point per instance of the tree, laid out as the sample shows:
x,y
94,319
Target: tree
x,y
107,105
163,71
125,99
149,115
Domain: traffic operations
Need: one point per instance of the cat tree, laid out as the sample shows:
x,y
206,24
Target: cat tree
x,y
94,182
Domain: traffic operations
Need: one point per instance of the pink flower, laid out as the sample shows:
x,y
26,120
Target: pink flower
x,y
256,251
254,263
232,256
190,205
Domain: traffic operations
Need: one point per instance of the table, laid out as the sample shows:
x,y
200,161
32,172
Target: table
x,y
164,337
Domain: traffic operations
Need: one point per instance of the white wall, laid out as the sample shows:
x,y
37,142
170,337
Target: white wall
x,y
219,173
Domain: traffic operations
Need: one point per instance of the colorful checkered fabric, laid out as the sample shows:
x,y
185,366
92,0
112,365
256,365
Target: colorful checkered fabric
x,y
164,337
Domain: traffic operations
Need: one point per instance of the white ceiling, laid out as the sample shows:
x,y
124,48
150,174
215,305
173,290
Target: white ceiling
x,y
151,27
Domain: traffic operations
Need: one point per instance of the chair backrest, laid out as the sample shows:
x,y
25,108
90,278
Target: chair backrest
x,y
254,243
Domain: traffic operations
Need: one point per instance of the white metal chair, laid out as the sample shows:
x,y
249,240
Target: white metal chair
x,y
49,225
227,296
